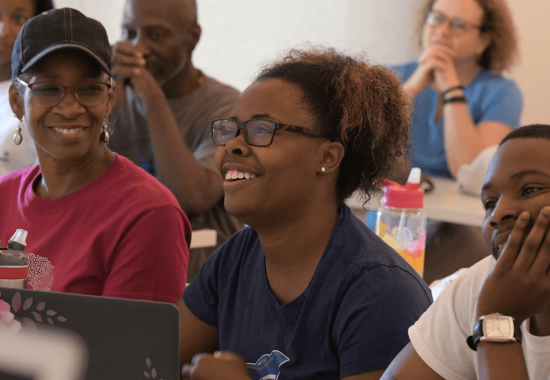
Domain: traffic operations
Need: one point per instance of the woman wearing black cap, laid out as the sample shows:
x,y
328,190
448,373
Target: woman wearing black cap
x,y
13,14
97,224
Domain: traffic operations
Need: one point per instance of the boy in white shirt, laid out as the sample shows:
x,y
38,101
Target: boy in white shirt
x,y
514,281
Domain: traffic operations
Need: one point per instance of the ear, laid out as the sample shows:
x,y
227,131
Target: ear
x,y
16,102
194,36
332,157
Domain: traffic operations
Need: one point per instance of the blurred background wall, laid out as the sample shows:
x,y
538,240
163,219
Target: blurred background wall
x,y
238,36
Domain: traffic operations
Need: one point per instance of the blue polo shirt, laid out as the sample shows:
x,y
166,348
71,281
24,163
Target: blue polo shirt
x,y
490,98
352,318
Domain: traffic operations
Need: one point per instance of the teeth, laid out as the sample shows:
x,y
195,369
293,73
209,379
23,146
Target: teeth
x,y
234,174
67,131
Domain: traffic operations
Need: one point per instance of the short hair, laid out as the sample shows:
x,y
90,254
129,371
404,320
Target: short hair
x,y
502,52
363,106
43,5
533,131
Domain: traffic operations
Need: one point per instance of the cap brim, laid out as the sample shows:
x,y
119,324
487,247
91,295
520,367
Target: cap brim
x,y
53,48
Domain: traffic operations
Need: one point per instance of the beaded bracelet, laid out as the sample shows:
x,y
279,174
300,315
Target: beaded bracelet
x,y
452,89
456,99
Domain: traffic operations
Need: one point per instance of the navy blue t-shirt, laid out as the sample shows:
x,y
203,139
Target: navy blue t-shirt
x,y
352,318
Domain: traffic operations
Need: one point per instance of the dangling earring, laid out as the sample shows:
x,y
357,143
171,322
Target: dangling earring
x,y
18,137
323,169
104,137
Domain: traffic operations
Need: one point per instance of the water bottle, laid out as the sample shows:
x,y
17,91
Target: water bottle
x,y
13,262
400,221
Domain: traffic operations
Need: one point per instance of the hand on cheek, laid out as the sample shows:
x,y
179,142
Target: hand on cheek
x,y
519,284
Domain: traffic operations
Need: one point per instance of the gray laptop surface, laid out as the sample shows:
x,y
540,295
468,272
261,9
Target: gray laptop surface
x,y
125,339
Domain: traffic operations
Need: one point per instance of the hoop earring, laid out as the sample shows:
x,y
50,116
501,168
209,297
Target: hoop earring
x,y
104,137
18,137
323,169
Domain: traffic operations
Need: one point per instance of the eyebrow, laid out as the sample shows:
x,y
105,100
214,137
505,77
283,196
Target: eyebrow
x,y
518,176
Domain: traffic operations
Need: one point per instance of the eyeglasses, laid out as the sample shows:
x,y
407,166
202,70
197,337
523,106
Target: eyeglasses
x,y
456,25
257,132
51,94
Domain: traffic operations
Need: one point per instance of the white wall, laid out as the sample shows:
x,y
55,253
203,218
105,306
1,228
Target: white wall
x,y
239,35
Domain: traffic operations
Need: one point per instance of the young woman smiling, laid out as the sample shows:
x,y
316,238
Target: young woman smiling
x,y
307,291
97,224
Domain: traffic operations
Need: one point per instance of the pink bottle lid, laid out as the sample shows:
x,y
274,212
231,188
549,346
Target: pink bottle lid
x,y
408,196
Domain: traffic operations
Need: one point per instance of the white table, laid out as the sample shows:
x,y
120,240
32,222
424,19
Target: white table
x,y
445,203
203,238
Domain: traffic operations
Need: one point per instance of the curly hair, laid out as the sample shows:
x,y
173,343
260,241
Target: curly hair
x,y
360,105
502,52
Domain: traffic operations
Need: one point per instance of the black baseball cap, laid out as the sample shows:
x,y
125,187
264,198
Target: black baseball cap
x,y
56,29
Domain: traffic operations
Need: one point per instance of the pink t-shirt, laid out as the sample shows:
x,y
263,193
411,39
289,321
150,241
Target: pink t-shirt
x,y
123,235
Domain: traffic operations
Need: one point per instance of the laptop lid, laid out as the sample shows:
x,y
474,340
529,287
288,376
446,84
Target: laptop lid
x,y
126,339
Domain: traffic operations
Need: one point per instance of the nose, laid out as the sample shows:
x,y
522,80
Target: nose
x,y
238,146
505,212
69,107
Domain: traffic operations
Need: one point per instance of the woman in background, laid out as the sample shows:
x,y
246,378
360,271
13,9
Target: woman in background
x,y
307,291
13,14
462,103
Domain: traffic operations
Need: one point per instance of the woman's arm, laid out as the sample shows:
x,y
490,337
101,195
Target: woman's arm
x,y
464,141
195,336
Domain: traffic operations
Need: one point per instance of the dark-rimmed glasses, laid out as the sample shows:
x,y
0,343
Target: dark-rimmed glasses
x,y
456,25
257,132
51,94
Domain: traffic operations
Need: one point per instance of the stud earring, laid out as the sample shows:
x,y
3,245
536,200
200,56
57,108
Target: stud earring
x,y
18,137
323,169
104,137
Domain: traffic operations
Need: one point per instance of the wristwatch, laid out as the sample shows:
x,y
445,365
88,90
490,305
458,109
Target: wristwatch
x,y
494,328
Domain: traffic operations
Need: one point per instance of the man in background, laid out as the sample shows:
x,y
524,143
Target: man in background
x,y
163,105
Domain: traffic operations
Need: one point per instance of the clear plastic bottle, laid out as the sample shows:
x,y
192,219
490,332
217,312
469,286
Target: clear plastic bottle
x,y
400,221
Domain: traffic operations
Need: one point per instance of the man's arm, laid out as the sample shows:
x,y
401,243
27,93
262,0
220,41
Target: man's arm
x,y
407,365
197,189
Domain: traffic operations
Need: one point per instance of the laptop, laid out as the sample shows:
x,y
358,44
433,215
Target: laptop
x,y
125,339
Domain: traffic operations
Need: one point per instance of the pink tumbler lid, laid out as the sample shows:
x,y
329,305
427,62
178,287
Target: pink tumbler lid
x,y
408,196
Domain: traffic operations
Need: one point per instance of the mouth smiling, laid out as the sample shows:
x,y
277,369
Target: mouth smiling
x,y
233,175
68,131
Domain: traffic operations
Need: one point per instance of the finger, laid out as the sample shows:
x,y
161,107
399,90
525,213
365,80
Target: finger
x,y
441,49
128,60
514,242
231,357
530,247
122,73
541,263
124,47
187,371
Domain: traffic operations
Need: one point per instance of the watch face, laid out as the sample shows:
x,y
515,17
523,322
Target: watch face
x,y
498,327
